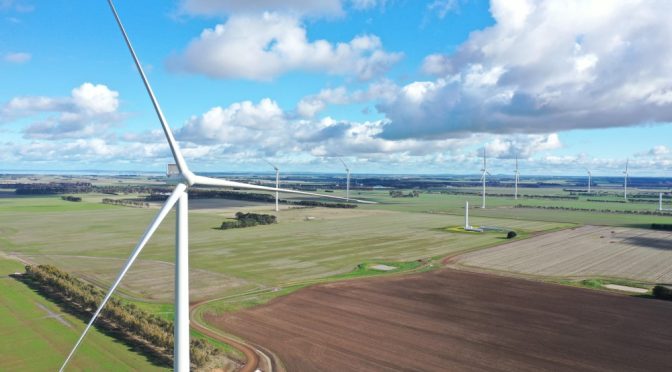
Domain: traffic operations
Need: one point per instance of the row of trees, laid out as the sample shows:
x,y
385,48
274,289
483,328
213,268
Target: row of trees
x,y
248,219
127,202
53,188
71,198
648,213
400,194
526,196
134,325
248,196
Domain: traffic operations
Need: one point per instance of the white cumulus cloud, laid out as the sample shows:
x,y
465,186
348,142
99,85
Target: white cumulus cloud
x,y
263,47
543,67
88,111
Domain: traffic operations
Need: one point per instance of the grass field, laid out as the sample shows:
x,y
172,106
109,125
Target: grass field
x,y
37,336
90,240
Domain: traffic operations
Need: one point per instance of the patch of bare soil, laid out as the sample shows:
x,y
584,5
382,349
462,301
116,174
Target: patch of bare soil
x,y
456,320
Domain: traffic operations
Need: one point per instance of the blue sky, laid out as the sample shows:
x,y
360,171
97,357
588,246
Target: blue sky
x,y
392,86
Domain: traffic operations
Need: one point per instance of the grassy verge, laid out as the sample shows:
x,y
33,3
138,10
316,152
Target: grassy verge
x,y
599,283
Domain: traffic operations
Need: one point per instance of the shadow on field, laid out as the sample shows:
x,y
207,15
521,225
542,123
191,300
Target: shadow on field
x,y
151,354
647,242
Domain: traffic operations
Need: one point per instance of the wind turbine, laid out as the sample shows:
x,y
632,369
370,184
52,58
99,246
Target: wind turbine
x,y
484,172
625,181
347,182
517,175
277,184
590,175
179,198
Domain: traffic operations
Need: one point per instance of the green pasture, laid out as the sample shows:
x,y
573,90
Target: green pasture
x,y
92,240
34,340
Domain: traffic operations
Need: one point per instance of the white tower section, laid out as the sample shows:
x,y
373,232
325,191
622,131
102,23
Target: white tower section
x,y
466,216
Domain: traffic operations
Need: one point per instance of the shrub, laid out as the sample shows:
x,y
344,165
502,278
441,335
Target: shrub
x,y
662,292
511,235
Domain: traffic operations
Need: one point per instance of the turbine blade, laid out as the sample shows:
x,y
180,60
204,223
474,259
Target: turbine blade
x,y
167,206
174,148
271,164
345,165
209,181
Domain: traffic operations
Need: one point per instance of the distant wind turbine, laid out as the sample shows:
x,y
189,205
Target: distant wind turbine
x,y
625,181
517,176
277,184
179,198
483,174
347,181
590,175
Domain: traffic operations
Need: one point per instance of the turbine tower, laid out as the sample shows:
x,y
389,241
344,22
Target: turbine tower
x,y
590,175
625,181
483,174
517,175
179,198
277,184
347,181
466,216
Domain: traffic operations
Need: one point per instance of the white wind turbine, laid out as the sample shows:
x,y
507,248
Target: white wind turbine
x,y
517,177
483,174
347,181
590,176
625,181
178,197
277,184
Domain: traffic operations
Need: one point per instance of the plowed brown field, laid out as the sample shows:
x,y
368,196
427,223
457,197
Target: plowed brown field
x,y
450,320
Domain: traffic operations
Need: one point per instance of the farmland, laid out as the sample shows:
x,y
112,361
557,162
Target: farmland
x,y
232,270
37,334
93,239
587,251
455,320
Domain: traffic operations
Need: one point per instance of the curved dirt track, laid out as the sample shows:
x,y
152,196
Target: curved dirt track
x,y
251,357
457,320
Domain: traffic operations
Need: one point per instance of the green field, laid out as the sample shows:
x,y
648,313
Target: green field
x,y
37,335
307,243
251,265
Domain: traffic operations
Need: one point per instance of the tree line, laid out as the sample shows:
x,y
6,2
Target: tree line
x,y
71,198
651,213
400,194
138,203
248,220
152,334
248,196
526,196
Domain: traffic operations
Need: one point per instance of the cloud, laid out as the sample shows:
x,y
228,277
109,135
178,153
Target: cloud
x,y
313,104
442,7
522,146
655,151
310,106
17,57
544,67
226,7
269,45
294,7
88,111
244,123
16,6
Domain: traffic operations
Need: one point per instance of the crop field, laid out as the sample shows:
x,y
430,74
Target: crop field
x,y
37,336
588,251
90,239
455,320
